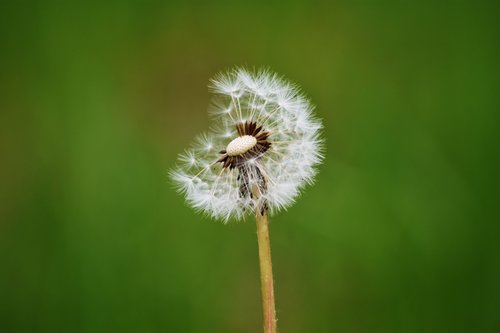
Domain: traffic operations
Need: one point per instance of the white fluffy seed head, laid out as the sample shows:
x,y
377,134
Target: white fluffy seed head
x,y
241,145
296,147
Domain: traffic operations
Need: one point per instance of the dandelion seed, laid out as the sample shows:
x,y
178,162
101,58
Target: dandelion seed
x,y
267,142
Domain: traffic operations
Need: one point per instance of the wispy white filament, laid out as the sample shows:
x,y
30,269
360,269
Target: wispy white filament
x,y
288,165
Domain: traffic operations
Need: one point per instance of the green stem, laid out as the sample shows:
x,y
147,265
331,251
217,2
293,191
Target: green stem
x,y
266,272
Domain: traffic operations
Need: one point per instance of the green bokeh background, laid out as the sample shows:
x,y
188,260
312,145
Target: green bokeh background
x,y
400,233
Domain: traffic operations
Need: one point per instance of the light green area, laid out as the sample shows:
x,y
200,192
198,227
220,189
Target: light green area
x,y
399,234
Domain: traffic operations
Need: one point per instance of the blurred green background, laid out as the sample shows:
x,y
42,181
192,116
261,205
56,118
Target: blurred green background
x,y
399,234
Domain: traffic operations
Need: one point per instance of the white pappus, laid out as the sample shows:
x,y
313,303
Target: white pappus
x,y
262,152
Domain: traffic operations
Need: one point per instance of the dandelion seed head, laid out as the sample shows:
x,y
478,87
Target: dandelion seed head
x,y
263,152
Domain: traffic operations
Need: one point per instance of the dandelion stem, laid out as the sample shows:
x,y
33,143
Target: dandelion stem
x,y
266,272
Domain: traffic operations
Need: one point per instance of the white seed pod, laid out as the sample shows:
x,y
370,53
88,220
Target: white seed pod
x,y
263,153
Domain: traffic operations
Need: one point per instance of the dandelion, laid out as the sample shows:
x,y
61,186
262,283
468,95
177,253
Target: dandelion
x,y
257,159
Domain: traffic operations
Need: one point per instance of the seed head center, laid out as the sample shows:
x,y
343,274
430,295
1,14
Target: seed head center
x,y
241,145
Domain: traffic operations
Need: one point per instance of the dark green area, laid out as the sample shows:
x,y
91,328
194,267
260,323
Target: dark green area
x,y
400,233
